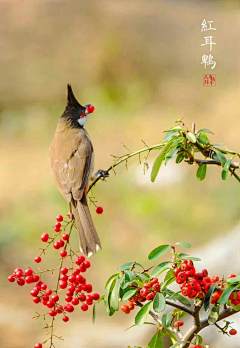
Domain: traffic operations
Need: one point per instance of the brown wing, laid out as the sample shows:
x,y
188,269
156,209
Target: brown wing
x,y
70,158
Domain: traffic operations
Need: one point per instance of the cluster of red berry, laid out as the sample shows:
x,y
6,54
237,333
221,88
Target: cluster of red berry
x,y
71,279
193,284
146,293
234,298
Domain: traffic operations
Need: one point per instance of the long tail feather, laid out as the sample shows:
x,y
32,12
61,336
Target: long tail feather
x,y
89,240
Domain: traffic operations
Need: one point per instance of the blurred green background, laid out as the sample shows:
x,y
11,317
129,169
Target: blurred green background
x,y
138,62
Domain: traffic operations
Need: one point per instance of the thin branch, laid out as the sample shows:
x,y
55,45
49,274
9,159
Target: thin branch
x,y
234,165
182,308
124,158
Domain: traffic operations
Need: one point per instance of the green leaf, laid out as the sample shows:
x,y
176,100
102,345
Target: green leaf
x,y
171,155
129,294
143,276
94,312
213,316
114,276
128,265
179,313
182,299
184,257
143,314
114,299
180,158
201,172
156,341
109,289
198,339
204,131
160,268
233,280
168,282
159,160
129,276
208,296
186,245
202,138
226,293
226,168
220,157
166,320
159,303
146,323
191,137
170,135
158,252
172,336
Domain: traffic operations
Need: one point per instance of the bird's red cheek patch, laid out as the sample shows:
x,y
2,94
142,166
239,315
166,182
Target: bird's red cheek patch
x,y
82,115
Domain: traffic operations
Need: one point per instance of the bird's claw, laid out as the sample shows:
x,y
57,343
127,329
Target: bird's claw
x,y
103,173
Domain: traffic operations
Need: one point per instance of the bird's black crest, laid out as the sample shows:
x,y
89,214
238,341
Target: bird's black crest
x,y
71,100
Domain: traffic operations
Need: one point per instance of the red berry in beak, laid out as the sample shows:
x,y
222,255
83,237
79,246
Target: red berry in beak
x,y
90,109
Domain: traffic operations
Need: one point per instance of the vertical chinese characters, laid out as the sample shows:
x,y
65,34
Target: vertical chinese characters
x,y
208,59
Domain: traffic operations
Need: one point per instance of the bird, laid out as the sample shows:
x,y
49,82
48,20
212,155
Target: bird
x,y
72,163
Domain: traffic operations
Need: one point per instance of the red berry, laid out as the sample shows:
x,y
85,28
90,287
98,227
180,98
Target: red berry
x,y
125,309
64,277
205,272
55,297
63,253
75,301
48,292
72,278
38,345
52,313
131,305
34,292
11,279
71,288
153,281
80,260
58,225
96,297
28,272
65,236
62,243
82,268
37,259
36,300
178,323
99,210
56,245
232,332
21,281
59,309
176,272
59,218
147,285
43,286
197,346
69,308
45,298
18,274
156,287
68,298
231,276
150,296
35,278
44,237
50,304
17,269
84,307
181,278
198,277
76,271
87,264
82,297
62,284
29,279
64,270
89,288
56,229
65,318
70,215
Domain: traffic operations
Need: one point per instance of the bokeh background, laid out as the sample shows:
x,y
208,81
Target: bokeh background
x,y
138,62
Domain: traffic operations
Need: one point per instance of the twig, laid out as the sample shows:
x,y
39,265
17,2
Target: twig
x,y
182,308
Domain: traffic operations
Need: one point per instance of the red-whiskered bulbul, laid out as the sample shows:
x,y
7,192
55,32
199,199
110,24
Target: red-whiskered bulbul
x,y
72,163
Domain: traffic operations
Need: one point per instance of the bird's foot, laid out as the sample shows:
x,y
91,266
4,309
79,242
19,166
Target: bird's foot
x,y
102,173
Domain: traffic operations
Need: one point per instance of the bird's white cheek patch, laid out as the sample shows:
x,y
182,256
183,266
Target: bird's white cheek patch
x,y
82,120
